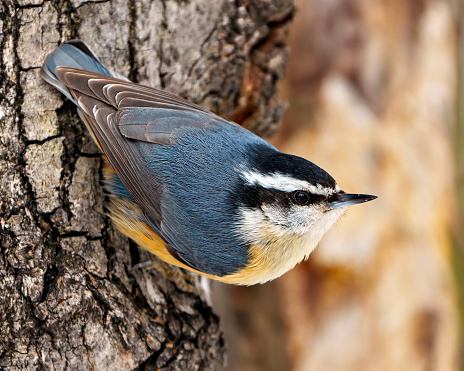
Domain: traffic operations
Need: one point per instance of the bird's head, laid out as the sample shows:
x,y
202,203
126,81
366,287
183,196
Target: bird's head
x,y
286,205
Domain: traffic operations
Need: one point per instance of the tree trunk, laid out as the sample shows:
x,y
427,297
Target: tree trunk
x,y
68,299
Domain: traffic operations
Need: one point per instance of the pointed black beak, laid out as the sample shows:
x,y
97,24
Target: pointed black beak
x,y
342,199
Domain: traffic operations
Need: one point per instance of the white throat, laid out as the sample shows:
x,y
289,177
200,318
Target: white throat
x,y
281,248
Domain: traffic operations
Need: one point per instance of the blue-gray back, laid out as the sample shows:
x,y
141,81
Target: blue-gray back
x,y
200,174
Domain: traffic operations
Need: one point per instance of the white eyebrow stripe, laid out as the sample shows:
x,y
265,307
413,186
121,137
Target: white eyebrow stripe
x,y
284,183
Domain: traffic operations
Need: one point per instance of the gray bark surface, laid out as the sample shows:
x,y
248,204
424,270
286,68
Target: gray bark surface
x,y
68,299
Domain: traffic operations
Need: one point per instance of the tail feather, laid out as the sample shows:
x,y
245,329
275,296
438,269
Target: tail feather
x,y
73,53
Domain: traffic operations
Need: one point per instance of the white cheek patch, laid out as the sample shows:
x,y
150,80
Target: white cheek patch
x,y
295,219
284,183
259,226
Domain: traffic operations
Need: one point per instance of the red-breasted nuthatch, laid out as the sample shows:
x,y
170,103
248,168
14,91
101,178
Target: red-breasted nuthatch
x,y
194,189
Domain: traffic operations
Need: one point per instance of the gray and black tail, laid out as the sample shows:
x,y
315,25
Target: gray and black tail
x,y
75,54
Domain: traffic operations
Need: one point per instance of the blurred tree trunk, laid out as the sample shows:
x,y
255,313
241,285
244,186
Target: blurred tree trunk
x,y
372,89
67,297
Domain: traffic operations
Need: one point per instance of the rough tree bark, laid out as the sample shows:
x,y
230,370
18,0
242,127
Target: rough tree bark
x,y
67,297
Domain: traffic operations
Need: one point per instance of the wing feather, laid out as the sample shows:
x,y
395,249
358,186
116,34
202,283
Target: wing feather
x,y
97,85
137,102
119,114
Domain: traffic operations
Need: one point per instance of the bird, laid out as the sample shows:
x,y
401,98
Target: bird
x,y
196,190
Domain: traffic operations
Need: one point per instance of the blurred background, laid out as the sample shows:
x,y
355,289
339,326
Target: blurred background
x,y
375,93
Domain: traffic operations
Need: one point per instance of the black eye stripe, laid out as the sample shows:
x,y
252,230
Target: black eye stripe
x,y
286,199
303,198
254,196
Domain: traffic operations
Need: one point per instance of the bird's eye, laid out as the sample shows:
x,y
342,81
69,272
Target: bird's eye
x,y
301,197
